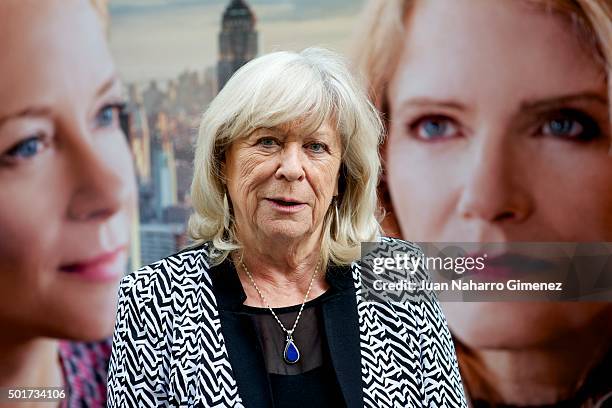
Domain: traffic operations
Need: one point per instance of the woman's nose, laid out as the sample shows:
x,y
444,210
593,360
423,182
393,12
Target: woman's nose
x,y
495,189
101,189
291,165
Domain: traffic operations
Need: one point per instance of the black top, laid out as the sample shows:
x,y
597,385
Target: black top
x,y
309,336
252,334
311,382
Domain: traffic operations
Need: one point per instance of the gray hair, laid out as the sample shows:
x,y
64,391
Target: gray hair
x,y
302,89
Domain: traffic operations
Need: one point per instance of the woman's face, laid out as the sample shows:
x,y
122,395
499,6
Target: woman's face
x,y
66,178
499,132
281,181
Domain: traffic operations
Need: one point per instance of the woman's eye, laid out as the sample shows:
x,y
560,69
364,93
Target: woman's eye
x,y
571,125
562,128
26,149
108,116
433,128
267,142
317,147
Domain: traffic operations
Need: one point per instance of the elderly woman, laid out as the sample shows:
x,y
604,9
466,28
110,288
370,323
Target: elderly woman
x,y
267,310
67,193
499,125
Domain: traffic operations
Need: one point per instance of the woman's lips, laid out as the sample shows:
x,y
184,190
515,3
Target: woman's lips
x,y
108,266
288,206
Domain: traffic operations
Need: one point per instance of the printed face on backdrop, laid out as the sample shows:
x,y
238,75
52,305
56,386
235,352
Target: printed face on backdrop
x,y
66,177
281,181
500,132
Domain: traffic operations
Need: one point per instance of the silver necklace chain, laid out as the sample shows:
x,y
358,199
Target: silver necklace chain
x,y
265,302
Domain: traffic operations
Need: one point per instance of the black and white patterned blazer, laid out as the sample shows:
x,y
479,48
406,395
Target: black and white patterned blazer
x,y
169,349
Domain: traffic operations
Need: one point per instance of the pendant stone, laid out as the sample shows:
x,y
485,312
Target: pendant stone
x,y
291,355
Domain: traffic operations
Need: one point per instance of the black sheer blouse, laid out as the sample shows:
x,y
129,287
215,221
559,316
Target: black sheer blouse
x,y
312,381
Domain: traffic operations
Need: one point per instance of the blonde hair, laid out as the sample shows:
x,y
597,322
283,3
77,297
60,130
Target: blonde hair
x,y
302,90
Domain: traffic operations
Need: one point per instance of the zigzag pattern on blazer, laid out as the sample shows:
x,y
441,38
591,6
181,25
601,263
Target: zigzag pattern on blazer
x,y
168,348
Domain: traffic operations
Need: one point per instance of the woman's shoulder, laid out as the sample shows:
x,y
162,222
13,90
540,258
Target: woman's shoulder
x,y
176,284
383,248
397,244
188,264
384,264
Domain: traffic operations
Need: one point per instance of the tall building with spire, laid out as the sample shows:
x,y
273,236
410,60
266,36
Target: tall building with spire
x,y
237,40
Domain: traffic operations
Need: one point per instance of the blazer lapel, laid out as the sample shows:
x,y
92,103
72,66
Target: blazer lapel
x,y
342,331
244,351
246,358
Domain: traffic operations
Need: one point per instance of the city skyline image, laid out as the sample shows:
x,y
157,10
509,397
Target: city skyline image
x,y
159,39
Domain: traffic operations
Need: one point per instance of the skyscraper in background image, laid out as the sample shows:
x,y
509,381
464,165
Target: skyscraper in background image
x,y
163,114
237,40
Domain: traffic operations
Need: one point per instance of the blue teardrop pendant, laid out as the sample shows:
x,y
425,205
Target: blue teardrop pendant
x,y
291,355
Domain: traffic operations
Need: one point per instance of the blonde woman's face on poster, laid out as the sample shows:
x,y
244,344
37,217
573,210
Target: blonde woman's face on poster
x,y
66,177
500,132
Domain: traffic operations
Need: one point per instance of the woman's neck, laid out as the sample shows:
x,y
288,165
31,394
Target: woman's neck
x,y
282,274
30,363
535,376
